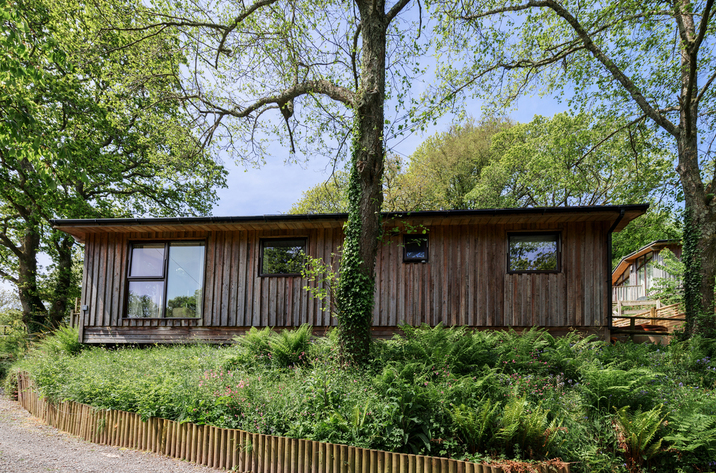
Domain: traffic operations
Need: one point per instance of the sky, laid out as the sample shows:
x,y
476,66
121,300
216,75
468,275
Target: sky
x,y
274,187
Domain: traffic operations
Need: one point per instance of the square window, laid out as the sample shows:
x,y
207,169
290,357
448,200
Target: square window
x,y
282,257
145,299
170,286
415,248
534,252
147,260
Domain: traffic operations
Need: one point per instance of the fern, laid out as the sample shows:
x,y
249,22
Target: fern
x,y
695,433
526,426
610,388
256,342
289,347
64,340
637,435
476,427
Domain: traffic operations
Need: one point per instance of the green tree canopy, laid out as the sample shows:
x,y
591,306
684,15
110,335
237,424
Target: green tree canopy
x,y
86,133
561,161
438,175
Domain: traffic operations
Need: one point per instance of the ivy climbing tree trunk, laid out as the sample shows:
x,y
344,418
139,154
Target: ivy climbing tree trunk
x,y
365,196
318,66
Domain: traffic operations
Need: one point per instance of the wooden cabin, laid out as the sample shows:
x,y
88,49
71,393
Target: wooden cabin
x,y
636,273
162,280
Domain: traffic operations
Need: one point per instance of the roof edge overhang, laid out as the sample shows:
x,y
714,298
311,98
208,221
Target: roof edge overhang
x,y
79,228
628,259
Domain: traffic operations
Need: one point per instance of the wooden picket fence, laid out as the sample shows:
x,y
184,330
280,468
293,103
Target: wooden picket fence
x,y
233,449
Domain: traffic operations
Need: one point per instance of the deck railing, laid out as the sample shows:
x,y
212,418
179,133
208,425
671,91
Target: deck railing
x,y
670,317
628,293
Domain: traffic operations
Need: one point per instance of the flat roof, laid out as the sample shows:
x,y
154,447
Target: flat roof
x,y
79,228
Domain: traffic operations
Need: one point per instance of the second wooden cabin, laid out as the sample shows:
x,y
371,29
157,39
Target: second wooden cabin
x,y
162,280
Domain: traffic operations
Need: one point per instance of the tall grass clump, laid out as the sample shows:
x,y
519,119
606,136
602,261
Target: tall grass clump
x,y
477,395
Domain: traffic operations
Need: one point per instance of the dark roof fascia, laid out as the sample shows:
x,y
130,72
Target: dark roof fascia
x,y
343,216
636,252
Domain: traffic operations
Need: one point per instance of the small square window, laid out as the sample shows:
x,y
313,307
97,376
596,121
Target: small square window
x,y
534,252
282,257
415,248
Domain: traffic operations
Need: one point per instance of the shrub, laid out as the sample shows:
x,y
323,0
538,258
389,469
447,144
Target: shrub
x,y
442,391
64,340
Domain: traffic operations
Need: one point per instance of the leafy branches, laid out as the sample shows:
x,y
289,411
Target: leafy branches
x,y
620,61
94,138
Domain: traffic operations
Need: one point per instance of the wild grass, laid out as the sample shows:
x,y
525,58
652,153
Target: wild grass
x,y
438,391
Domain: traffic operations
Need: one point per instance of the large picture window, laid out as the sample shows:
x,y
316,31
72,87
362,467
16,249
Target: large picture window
x,y
282,257
533,252
165,279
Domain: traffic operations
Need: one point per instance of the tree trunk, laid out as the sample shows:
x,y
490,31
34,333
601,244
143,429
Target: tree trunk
x,y
365,193
33,309
699,253
699,241
63,284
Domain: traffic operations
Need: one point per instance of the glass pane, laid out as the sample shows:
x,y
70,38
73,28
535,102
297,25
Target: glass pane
x,y
283,256
416,247
533,252
185,279
147,260
145,298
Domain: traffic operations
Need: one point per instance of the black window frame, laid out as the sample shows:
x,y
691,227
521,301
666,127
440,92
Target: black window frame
x,y
165,272
262,241
415,236
536,271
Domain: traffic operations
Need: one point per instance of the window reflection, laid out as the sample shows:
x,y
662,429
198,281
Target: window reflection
x,y
534,252
185,278
147,260
171,287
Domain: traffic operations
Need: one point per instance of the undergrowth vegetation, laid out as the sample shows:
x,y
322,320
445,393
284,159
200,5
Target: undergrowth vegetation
x,y
479,396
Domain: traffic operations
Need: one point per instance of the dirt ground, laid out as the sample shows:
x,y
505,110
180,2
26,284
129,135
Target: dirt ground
x,y
28,445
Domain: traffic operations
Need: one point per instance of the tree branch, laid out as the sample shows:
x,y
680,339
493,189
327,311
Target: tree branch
x,y
705,88
235,23
9,277
393,12
354,53
596,52
703,26
692,50
321,86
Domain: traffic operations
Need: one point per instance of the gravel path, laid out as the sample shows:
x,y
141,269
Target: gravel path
x,y
29,446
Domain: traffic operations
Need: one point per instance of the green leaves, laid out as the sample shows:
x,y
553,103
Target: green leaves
x,y
638,435
564,160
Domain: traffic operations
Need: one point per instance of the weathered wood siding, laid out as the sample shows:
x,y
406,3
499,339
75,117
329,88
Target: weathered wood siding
x,y
465,282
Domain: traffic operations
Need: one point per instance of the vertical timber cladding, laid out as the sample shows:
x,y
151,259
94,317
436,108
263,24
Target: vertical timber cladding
x,y
105,278
464,281
574,297
236,296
